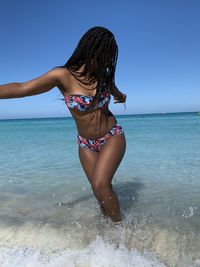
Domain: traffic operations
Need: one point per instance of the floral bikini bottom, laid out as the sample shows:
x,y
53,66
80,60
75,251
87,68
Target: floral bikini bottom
x,y
95,144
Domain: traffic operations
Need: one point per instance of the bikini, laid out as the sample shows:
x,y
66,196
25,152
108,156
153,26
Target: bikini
x,y
81,103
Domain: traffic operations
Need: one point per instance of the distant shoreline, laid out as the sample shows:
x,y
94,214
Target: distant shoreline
x,y
117,115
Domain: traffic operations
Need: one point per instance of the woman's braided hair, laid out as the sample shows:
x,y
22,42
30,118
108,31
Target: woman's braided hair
x,y
98,51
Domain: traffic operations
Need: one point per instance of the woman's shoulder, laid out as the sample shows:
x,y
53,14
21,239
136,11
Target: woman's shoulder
x,y
63,77
60,70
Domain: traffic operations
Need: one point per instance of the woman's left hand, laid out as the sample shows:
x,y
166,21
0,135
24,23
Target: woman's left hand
x,y
121,100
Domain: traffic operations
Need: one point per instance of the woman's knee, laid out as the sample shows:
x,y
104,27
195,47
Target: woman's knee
x,y
101,186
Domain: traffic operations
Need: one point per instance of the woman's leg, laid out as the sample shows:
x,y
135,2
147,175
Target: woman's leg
x,y
109,157
88,160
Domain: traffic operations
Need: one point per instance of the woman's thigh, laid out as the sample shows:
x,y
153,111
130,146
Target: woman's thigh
x,y
109,157
88,160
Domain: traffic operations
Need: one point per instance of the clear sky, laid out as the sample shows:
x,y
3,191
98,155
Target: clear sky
x,y
159,51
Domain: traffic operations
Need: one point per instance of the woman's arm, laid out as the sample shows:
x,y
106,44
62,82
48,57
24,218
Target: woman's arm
x,y
119,97
36,86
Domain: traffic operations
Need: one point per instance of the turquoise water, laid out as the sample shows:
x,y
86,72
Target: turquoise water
x,y
50,217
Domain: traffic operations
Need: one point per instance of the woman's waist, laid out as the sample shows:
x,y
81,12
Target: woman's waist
x,y
96,129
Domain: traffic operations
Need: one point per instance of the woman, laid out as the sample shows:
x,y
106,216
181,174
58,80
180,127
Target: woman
x,y
86,82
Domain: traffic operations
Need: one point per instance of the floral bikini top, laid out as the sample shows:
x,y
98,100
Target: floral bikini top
x,y
81,102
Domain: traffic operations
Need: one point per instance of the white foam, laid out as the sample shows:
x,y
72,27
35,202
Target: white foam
x,y
98,253
35,242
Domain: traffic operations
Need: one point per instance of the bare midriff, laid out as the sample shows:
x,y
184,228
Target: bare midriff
x,y
93,124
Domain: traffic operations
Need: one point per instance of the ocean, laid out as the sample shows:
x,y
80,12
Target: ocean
x,y
50,217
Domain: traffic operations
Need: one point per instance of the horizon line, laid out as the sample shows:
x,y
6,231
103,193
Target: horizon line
x,y
30,118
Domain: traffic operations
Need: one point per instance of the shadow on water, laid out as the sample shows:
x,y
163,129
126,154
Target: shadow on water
x,y
127,193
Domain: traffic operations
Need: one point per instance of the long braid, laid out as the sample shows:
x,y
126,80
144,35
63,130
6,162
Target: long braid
x,y
97,43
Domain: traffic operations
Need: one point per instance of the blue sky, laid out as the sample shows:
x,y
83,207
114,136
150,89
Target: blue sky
x,y
158,63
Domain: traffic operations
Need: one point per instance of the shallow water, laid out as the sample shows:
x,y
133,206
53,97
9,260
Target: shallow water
x,y
50,217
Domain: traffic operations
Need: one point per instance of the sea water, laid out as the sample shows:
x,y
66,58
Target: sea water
x,y
50,217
